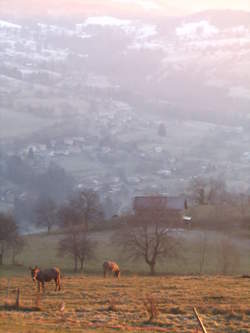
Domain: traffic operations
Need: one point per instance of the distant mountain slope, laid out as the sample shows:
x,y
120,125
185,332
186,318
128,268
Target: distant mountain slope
x,y
223,18
192,66
77,8
91,93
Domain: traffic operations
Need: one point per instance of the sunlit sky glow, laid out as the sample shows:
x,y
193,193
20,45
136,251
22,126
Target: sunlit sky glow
x,y
196,5
117,7
191,5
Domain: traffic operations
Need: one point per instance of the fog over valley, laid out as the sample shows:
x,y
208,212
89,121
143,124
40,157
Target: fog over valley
x,y
123,104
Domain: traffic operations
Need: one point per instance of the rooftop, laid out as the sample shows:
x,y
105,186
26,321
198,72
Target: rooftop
x,y
160,203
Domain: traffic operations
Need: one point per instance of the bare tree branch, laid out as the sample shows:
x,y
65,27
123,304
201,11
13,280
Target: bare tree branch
x,y
147,236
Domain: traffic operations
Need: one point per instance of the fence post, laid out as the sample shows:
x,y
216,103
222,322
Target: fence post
x,y
200,321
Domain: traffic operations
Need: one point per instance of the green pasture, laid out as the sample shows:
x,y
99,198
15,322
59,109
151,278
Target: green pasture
x,y
41,250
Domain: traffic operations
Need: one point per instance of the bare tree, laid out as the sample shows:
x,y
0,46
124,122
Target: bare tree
x,y
228,256
79,246
242,202
46,213
87,206
75,217
148,236
208,191
197,190
69,220
217,193
8,233
203,246
16,246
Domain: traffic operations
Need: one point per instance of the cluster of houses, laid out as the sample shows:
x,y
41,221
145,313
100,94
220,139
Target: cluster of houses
x,y
53,148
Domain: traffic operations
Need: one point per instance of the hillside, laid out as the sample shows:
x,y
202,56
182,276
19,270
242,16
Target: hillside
x,y
194,66
76,8
90,93
220,251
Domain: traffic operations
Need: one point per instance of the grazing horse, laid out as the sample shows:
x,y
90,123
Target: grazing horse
x,y
111,266
46,275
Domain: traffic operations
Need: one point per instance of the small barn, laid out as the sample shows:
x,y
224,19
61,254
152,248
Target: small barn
x,y
169,206
160,203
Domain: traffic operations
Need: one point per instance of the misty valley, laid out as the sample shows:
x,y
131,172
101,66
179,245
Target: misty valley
x,y
126,107
124,166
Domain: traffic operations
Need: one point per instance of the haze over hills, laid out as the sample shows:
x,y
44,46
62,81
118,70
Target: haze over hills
x,y
76,8
181,61
126,104
131,8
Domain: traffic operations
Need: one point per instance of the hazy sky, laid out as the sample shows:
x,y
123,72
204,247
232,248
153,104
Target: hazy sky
x,y
188,6
195,5
116,7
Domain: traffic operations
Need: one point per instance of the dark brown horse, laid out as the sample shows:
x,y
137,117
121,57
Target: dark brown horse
x,y
46,275
111,266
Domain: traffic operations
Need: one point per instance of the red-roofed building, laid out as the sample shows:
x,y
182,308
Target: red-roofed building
x,y
170,207
160,203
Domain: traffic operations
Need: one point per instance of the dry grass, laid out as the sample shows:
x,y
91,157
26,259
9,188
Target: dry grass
x,y
151,308
94,304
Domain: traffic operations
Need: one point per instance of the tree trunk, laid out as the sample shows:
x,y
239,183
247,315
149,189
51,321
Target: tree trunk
x,y
75,267
203,250
152,268
13,257
81,261
2,248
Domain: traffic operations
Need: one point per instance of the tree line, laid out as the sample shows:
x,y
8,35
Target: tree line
x,y
147,235
139,235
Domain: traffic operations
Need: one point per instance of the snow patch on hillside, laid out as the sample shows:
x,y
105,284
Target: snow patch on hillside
x,y
219,43
239,92
5,24
196,29
106,21
136,28
54,29
146,31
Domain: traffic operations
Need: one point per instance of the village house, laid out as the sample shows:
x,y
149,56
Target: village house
x,y
172,207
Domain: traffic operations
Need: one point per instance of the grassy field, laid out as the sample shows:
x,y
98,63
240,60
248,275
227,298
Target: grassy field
x,y
42,250
95,304
16,124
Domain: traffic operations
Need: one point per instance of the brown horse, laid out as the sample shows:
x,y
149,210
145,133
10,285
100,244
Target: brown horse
x,y
42,276
111,266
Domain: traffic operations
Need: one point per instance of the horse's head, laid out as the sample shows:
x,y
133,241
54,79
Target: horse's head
x,y
117,273
34,272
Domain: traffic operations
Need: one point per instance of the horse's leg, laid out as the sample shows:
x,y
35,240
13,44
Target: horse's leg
x,y
104,272
38,286
43,286
56,284
59,284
